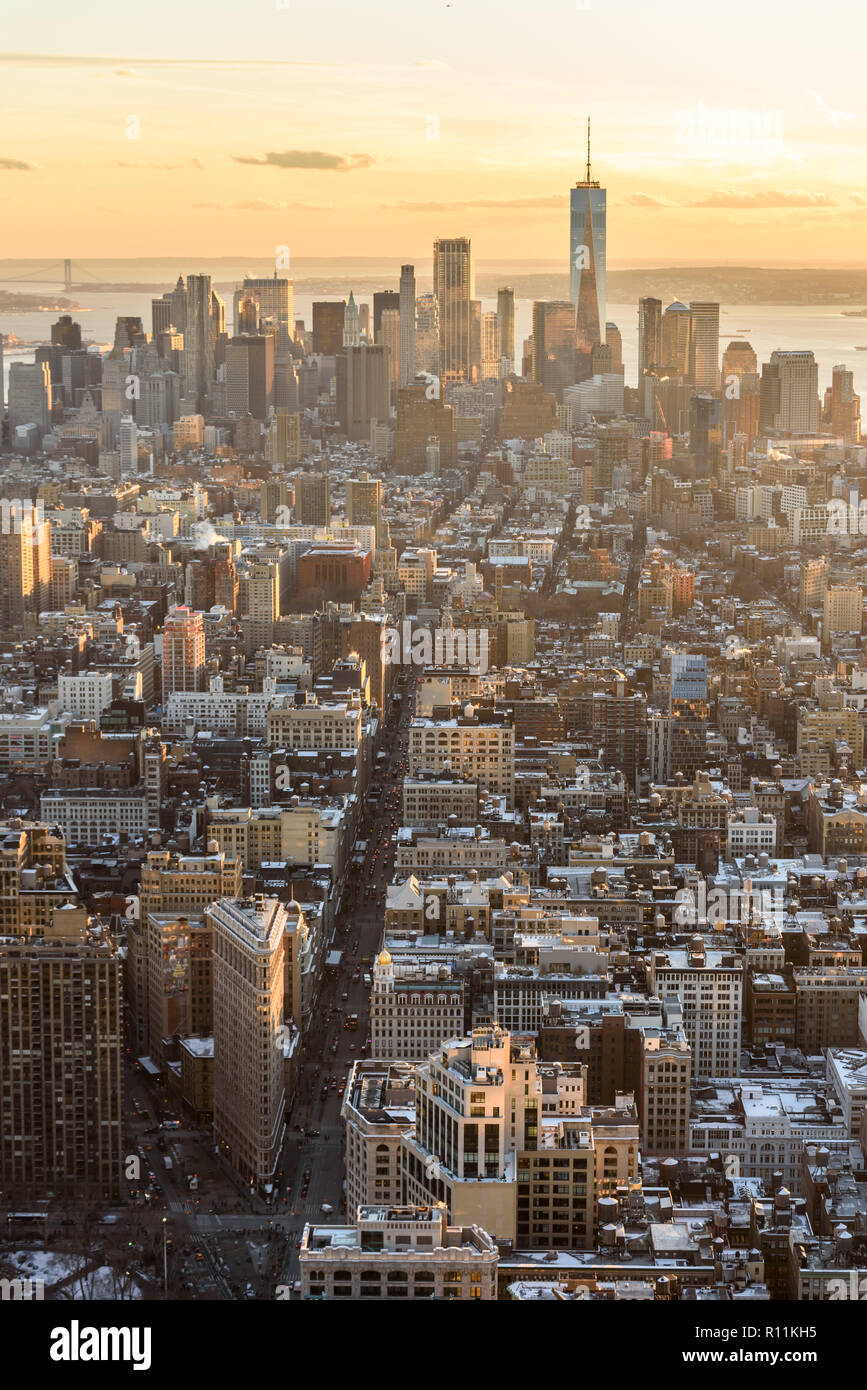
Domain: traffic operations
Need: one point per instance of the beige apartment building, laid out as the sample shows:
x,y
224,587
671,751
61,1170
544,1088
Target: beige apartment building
x,y
301,834
479,744
323,728
431,801
663,1095
378,1109
843,609
34,880
709,985
413,1008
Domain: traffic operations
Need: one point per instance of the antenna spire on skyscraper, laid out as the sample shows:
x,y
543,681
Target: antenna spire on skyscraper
x,y
587,176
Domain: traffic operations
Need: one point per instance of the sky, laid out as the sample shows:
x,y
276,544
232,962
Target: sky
x,y
728,133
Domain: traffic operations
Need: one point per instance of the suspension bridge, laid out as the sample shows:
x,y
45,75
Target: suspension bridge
x,y
47,273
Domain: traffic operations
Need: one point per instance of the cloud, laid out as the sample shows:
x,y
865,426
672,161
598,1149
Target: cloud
x,y
16,164
765,198
92,60
647,200
309,159
431,63
553,200
140,164
858,199
266,205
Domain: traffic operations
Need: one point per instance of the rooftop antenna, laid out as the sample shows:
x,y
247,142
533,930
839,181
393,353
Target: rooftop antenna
x,y
588,176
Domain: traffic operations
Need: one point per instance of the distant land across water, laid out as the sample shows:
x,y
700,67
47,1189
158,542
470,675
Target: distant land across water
x,y
530,279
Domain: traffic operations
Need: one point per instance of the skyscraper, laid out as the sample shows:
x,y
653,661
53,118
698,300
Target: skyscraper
x,y
250,374
364,502
490,345
614,342
274,297
427,334
183,650
312,499
587,229
328,317
200,337
350,323
676,326
649,334
407,325
364,387
843,406
30,396
506,315
554,345
66,333
453,287
789,399
25,567
161,315
388,336
249,1093
704,346
61,1049
383,300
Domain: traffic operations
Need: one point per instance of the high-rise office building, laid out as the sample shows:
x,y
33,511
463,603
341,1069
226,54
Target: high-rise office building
x,y
587,231
364,376
312,499
249,1089
475,338
200,337
274,297
183,650
388,336
30,396
704,346
25,567
364,502
351,333
789,398
384,300
649,334
127,443
66,333
739,360
614,343
554,345
490,346
161,315
407,325
427,334
676,325
286,437
328,316
247,316
843,406
453,287
250,375
423,417
506,316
